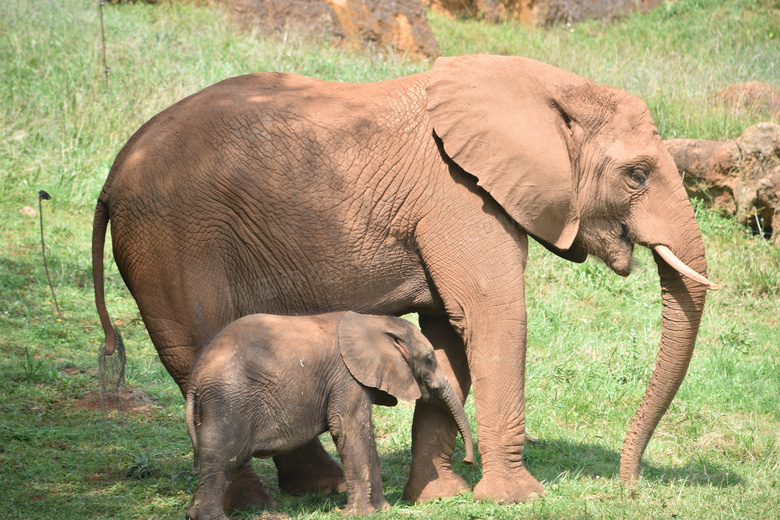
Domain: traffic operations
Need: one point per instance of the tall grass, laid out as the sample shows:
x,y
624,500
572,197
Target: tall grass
x,y
592,335
61,126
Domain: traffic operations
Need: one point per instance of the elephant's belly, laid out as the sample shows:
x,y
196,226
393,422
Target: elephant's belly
x,y
386,289
283,439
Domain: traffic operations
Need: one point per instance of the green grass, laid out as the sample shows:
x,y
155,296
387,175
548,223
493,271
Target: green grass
x,y
675,58
592,335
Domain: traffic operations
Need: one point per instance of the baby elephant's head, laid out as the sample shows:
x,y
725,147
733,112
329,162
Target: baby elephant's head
x,y
392,355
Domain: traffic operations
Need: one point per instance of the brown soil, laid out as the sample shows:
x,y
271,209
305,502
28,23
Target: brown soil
x,y
125,400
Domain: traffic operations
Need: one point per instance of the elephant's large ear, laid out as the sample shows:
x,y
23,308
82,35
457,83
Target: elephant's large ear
x,y
375,356
503,120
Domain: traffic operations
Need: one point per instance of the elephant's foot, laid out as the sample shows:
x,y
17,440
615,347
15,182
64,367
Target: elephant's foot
x,y
195,512
246,491
437,482
508,489
205,505
309,469
364,508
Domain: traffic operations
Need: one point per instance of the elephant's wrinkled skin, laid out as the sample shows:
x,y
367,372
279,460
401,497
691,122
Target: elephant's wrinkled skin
x,y
267,384
284,194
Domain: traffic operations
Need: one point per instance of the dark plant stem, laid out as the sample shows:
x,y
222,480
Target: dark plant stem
x,y
106,68
42,195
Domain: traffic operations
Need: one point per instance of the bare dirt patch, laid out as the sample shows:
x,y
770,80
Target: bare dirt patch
x,y
125,400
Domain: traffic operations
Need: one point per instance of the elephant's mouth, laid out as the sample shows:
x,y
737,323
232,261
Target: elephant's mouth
x,y
609,240
625,236
619,255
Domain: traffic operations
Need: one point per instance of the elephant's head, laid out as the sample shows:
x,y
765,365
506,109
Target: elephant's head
x,y
392,356
581,168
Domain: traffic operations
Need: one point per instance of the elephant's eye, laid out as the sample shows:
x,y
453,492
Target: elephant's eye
x,y
430,360
638,174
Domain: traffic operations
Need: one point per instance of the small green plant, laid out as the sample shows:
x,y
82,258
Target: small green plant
x,y
737,339
31,366
142,467
564,372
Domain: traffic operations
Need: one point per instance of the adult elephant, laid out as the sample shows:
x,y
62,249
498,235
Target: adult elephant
x,y
283,194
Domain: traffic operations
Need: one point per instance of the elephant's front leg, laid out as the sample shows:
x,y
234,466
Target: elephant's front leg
x,y
479,277
498,372
353,434
434,431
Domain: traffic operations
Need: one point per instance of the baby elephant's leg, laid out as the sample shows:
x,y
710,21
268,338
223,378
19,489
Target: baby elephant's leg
x,y
206,503
353,435
246,490
220,471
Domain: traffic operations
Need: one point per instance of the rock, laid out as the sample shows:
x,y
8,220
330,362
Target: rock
x,y
708,170
541,12
739,177
488,10
752,95
545,12
758,193
399,24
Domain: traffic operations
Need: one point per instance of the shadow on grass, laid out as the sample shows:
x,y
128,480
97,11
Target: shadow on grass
x,y
549,460
552,459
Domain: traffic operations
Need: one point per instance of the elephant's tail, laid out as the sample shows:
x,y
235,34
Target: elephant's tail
x,y
192,395
99,227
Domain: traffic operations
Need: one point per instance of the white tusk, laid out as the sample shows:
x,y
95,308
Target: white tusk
x,y
665,253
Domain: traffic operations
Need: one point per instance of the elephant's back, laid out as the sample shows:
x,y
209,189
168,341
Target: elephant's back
x,y
256,121
276,359
257,342
259,194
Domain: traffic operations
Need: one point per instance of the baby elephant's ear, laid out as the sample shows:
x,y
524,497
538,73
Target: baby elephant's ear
x,y
375,356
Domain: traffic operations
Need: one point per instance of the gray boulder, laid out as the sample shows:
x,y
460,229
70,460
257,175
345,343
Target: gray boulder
x,y
739,177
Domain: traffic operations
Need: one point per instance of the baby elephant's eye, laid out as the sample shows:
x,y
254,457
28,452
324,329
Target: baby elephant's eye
x,y
430,360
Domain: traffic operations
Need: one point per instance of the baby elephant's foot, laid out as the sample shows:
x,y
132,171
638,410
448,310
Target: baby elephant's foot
x,y
194,512
205,505
365,508
246,491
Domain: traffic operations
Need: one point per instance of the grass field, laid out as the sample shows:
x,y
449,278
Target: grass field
x,y
592,335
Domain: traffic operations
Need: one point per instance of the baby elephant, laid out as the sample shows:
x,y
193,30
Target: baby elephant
x,y
267,384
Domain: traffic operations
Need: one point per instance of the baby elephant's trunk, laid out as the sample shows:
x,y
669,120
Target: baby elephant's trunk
x,y
448,397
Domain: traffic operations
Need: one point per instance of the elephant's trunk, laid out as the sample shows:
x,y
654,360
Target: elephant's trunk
x,y
683,303
447,396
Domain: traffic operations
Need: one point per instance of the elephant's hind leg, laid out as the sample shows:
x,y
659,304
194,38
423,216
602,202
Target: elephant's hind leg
x,y
309,469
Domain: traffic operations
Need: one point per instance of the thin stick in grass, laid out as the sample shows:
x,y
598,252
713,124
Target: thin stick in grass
x,y
42,195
